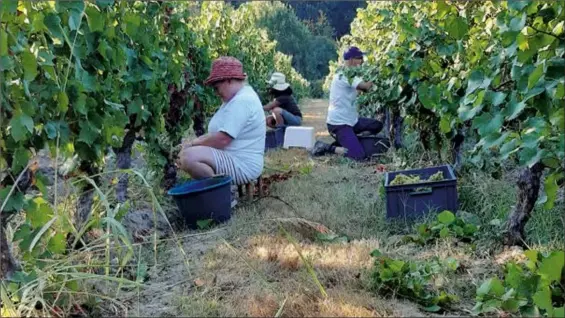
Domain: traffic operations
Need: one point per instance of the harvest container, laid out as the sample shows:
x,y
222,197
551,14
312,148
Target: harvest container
x,y
374,145
418,199
274,138
206,199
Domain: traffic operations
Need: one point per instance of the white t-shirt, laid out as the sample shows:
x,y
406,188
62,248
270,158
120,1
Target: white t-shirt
x,y
343,108
242,118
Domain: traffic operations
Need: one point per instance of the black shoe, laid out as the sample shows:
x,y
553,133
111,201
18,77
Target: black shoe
x,y
320,148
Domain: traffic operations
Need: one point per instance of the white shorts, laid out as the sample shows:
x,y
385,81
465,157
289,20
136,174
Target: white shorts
x,y
227,165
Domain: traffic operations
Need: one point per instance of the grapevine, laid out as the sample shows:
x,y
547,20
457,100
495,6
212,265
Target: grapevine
x,y
489,73
85,78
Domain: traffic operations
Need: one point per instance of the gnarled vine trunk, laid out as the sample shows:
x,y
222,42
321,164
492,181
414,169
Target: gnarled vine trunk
x,y
123,161
8,263
198,117
386,122
425,139
528,192
397,129
85,199
456,153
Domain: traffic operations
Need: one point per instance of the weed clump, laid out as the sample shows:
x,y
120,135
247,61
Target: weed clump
x,y
412,280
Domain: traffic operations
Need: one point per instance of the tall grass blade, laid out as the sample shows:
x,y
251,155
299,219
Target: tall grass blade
x,y
305,261
42,231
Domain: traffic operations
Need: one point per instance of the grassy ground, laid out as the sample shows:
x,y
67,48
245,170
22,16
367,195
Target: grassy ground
x,y
303,250
251,267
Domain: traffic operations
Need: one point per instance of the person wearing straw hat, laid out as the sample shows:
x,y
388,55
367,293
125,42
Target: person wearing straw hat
x,y
343,119
284,109
235,142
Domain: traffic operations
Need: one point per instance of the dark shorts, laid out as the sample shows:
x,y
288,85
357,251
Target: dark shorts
x,y
347,136
291,119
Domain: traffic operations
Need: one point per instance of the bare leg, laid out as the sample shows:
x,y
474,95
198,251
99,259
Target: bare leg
x,y
198,161
271,121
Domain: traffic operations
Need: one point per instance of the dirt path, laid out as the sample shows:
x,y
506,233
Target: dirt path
x,y
314,113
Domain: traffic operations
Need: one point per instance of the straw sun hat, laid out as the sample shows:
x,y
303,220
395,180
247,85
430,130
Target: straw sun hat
x,y
278,81
223,68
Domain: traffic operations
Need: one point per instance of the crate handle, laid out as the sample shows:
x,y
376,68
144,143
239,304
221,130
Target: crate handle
x,y
426,191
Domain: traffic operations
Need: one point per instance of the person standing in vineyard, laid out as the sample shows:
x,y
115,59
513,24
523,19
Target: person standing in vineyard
x,y
284,109
235,142
343,119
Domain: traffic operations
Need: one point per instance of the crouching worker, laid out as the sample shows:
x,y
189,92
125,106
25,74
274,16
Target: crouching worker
x,y
343,120
283,108
235,142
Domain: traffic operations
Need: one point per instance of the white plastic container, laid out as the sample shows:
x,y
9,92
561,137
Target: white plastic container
x,y
299,136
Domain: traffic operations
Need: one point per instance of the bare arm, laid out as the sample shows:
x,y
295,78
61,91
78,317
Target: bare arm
x,y
364,86
271,105
218,140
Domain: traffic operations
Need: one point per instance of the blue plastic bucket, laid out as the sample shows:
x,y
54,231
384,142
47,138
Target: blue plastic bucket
x,y
204,199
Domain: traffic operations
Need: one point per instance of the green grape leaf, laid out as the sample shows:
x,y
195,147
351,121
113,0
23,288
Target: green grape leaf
x,y
104,49
131,25
534,78
551,188
445,125
75,18
95,20
487,123
15,201
496,98
376,253
8,6
531,156
477,79
542,299
468,112
39,212
509,148
21,159
494,140
457,27
102,4
69,5
518,23
558,28
80,105
53,24
37,24
29,63
552,266
3,43
559,312
63,102
514,109
57,243
533,93
446,217
522,41
443,233
558,119
20,125
88,133
518,5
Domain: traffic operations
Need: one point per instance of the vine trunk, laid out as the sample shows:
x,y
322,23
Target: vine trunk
x,y
528,192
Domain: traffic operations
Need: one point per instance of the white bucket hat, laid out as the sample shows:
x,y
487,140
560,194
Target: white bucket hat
x,y
278,81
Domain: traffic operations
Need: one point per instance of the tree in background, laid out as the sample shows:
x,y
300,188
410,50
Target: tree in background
x,y
309,43
340,14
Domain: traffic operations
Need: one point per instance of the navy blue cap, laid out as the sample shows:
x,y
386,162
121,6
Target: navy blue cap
x,y
353,52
